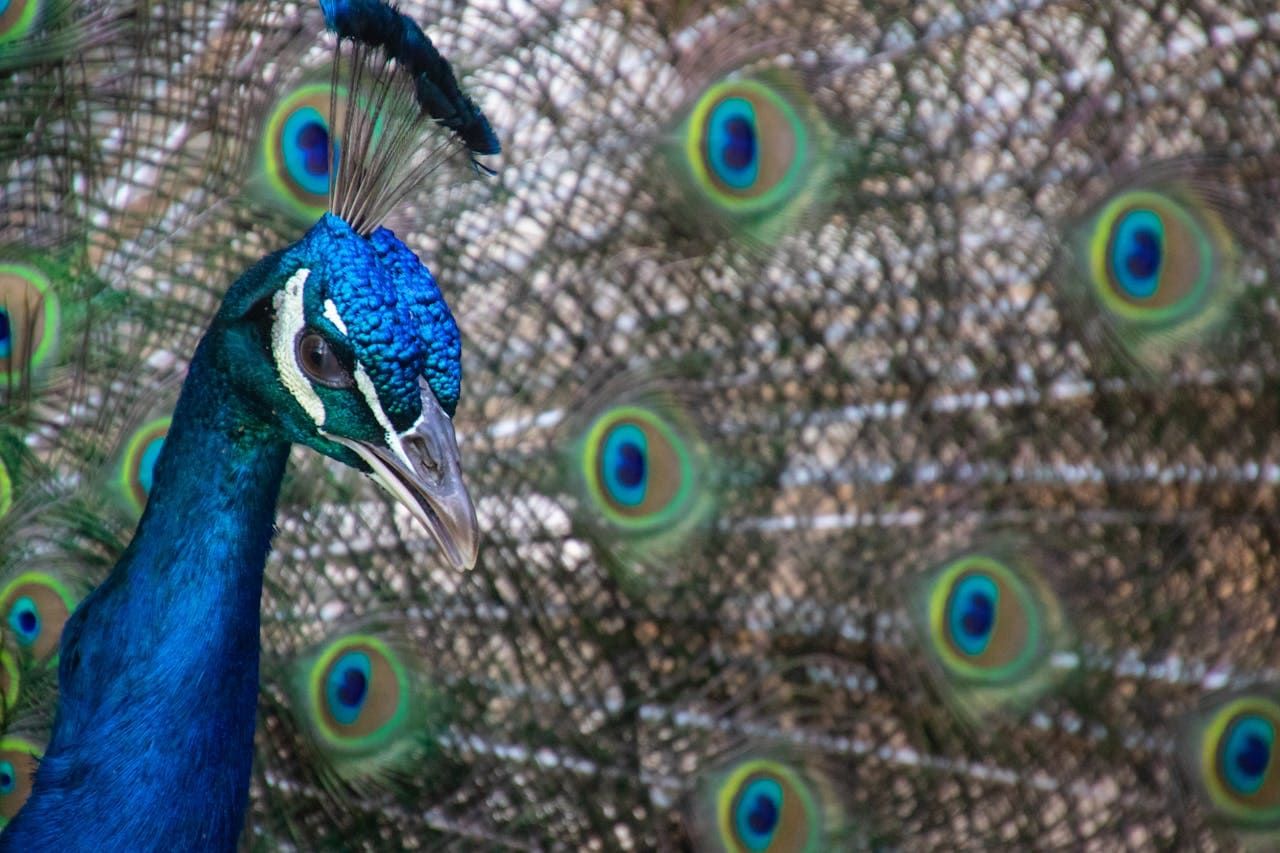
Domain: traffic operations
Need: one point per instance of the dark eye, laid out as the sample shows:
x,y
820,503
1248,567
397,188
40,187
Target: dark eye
x,y
320,362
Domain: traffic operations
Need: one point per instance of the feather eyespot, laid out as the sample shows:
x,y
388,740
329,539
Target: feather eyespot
x,y
746,143
641,478
756,152
319,362
991,626
639,471
35,607
28,320
365,708
300,150
137,467
1153,259
18,761
359,692
764,805
1231,757
1156,267
985,621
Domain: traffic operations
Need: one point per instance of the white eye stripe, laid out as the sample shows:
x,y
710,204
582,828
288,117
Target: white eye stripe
x,y
290,320
365,384
332,315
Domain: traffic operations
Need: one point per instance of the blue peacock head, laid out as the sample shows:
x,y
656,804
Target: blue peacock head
x,y
364,363
342,340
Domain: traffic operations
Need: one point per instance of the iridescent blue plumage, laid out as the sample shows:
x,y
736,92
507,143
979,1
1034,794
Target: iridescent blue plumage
x,y
341,341
394,319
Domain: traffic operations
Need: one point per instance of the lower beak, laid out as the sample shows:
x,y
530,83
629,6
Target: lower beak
x,y
421,470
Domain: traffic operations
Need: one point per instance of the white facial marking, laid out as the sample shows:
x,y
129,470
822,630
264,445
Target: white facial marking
x,y
290,319
332,315
365,384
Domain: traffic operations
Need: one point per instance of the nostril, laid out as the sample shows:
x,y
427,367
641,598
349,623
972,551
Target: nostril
x,y
420,449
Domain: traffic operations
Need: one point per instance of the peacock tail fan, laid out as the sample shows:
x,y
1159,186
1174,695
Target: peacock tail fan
x,y
30,701
871,410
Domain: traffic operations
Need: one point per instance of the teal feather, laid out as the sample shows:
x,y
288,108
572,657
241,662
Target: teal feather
x,y
805,413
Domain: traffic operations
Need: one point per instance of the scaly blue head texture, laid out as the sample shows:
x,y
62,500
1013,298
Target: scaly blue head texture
x,y
379,307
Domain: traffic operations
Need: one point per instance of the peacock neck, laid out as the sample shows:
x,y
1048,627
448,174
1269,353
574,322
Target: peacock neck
x,y
211,511
159,666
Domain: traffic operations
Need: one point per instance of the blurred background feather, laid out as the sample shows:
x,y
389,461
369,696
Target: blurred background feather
x,y
871,411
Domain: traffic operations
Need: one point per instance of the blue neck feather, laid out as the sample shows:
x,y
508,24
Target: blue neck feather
x,y
153,740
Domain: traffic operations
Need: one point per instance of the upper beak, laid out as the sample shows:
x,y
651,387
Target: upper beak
x,y
421,470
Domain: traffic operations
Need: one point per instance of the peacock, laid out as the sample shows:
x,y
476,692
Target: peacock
x,y
868,413
342,342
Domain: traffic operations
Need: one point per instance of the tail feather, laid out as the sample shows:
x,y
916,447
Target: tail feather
x,y
870,411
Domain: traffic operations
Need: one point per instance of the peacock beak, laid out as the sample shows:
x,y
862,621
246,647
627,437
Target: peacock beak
x,y
422,470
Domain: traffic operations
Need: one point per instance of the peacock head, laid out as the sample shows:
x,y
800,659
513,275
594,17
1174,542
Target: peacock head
x,y
365,367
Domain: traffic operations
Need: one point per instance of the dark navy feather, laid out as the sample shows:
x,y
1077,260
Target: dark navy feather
x,y
376,24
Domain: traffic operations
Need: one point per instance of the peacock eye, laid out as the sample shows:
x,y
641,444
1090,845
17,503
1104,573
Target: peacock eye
x,y
18,761
758,805
34,607
359,693
1231,758
321,364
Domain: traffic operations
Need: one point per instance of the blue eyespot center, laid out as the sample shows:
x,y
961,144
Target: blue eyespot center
x,y
313,140
1248,753
306,150
740,144
147,464
759,810
1144,261
973,613
1138,253
1255,756
626,465
732,143
978,615
24,618
353,689
8,777
348,687
630,467
763,816
6,336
